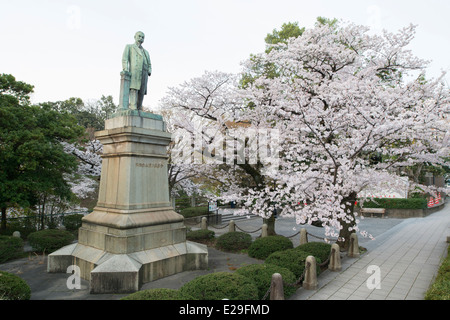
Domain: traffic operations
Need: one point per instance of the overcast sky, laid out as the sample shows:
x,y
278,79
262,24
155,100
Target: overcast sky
x,y
74,48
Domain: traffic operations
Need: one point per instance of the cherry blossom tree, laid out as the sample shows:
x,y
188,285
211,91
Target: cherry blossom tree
x,y
353,110
217,142
342,99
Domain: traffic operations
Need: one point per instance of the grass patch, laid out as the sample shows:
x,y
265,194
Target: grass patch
x,y
440,289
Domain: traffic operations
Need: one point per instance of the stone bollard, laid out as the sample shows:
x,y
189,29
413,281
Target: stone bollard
x,y
264,231
231,226
16,234
276,287
353,248
335,258
303,236
204,223
310,280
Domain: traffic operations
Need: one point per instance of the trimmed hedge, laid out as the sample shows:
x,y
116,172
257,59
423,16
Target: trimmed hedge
x,y
394,203
49,240
261,248
219,286
194,211
292,259
157,294
261,275
234,241
320,250
73,222
13,287
200,235
10,248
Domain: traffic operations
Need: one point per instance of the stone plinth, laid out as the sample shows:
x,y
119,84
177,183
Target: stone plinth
x,y
133,236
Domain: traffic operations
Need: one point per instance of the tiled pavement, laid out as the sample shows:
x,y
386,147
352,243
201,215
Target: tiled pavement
x,y
408,259
408,253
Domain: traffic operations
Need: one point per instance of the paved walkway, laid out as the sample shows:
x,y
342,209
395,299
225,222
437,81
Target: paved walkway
x,y
408,253
408,257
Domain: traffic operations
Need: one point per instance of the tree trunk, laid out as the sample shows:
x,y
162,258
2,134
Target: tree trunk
x,y
3,224
42,214
344,233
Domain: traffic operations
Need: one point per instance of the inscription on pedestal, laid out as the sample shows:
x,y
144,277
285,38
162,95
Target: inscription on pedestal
x,y
150,165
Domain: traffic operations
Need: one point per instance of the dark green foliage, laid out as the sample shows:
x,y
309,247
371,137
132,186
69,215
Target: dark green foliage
x,y
158,294
261,275
292,259
261,248
393,203
320,250
200,235
194,212
49,240
33,164
24,225
19,90
221,285
10,248
440,289
73,222
13,287
288,30
234,241
88,115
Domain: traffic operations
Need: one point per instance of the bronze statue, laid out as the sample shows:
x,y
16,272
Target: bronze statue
x,y
136,68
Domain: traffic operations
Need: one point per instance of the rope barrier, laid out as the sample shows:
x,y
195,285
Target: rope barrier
x,y
293,235
216,227
248,231
293,284
267,292
320,238
301,278
323,264
307,265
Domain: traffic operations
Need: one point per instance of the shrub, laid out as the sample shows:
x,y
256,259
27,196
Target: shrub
x,y
200,235
10,248
24,225
13,287
221,285
234,241
320,250
73,222
261,248
440,289
158,294
261,275
194,211
49,240
291,259
393,203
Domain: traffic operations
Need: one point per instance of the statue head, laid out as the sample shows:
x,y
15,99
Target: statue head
x,y
139,37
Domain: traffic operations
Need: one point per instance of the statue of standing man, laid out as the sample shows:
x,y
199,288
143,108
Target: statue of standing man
x,y
136,68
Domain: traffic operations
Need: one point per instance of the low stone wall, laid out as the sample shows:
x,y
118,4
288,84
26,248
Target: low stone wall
x,y
408,213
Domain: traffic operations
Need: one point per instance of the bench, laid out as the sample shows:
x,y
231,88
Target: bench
x,y
381,211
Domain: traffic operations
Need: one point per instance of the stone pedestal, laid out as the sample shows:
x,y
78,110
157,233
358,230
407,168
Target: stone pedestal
x,y
133,236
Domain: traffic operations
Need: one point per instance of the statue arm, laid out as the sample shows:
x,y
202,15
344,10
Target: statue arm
x,y
149,65
125,59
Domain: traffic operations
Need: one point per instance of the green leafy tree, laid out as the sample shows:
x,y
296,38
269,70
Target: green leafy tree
x,y
288,30
32,158
91,115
